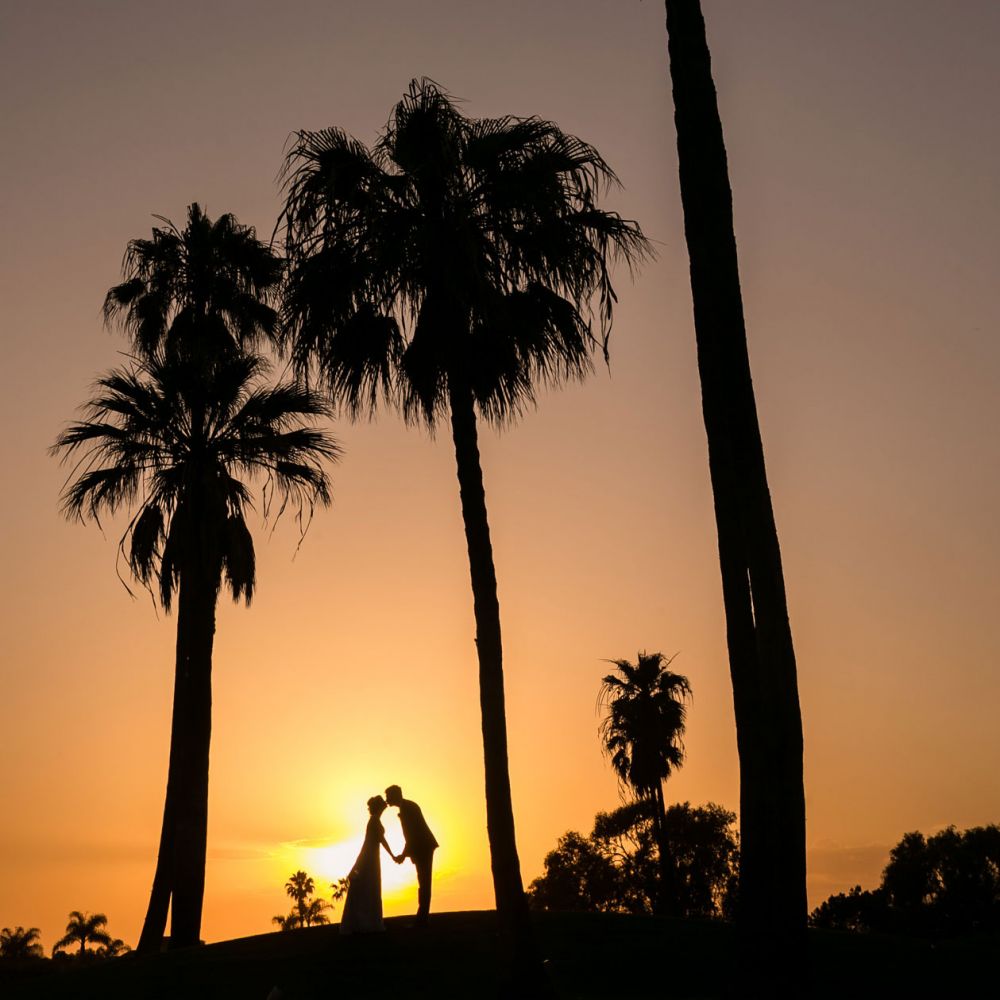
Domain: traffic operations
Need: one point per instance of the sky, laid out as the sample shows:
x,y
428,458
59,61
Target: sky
x,y
864,149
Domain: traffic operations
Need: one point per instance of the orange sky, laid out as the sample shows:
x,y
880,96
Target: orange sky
x,y
864,154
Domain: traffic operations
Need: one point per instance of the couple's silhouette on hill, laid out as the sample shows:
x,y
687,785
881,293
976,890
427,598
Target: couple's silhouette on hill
x,y
363,907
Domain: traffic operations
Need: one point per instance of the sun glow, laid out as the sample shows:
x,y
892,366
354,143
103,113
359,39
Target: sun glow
x,y
329,862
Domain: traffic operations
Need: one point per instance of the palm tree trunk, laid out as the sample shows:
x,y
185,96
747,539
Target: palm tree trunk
x,y
155,924
512,907
666,897
772,906
196,602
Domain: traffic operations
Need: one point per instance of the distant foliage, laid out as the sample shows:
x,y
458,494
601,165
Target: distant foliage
x,y
617,868
946,884
308,910
88,929
19,943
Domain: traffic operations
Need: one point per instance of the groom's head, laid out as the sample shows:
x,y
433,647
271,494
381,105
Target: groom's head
x,y
394,795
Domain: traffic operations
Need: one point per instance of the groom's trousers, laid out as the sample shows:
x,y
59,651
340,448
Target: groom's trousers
x,y
424,866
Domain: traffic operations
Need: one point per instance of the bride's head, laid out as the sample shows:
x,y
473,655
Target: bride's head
x,y
376,805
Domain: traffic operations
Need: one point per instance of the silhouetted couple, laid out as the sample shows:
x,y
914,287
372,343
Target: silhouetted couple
x,y
363,907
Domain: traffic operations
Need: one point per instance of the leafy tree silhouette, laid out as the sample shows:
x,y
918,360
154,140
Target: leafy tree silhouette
x,y
772,895
168,438
616,869
20,943
946,884
449,271
642,734
84,929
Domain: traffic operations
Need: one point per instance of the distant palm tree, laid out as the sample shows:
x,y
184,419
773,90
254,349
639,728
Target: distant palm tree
x,y
20,943
313,912
175,440
772,894
286,923
643,734
310,911
84,928
449,270
115,948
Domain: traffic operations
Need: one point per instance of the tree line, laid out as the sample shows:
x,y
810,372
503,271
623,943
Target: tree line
x,y
944,885
20,944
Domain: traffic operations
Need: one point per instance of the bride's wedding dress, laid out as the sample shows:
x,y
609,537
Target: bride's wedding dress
x,y
363,907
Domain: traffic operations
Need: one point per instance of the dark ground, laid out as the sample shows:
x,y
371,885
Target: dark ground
x,y
589,956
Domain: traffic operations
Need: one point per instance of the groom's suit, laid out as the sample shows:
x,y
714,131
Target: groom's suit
x,y
419,848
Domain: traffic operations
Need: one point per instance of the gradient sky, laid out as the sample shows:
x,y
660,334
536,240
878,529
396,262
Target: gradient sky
x,y
864,151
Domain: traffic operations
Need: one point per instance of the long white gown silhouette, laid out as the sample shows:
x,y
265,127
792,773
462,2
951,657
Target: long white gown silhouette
x,y
363,906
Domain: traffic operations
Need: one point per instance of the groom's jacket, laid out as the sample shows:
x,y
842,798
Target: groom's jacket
x,y
419,840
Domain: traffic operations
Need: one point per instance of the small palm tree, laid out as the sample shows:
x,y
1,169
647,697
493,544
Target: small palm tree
x,y
300,887
176,439
313,912
449,271
20,943
84,929
286,923
115,948
642,733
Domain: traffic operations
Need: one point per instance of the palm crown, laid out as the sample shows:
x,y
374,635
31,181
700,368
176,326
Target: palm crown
x,y
643,729
211,283
147,439
84,928
20,943
453,253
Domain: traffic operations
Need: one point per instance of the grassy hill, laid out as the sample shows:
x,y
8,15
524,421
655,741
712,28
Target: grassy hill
x,y
588,956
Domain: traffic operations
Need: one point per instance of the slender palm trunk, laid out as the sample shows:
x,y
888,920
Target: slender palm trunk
x,y
772,902
666,897
197,601
512,906
155,923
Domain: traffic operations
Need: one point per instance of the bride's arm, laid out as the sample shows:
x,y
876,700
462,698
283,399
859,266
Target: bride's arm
x,y
385,844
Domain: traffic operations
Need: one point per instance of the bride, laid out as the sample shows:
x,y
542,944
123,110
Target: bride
x,y
363,907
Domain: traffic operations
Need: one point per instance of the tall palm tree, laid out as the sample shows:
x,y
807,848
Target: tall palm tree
x,y
84,928
772,895
642,733
449,271
20,943
175,440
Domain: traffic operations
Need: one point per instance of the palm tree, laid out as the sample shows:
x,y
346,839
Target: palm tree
x,y
19,943
313,912
448,271
300,887
83,928
286,923
168,438
115,948
772,895
642,733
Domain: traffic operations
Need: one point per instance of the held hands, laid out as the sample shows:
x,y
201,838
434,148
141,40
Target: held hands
x,y
398,858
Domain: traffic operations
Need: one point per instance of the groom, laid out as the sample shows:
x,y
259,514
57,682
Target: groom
x,y
419,847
